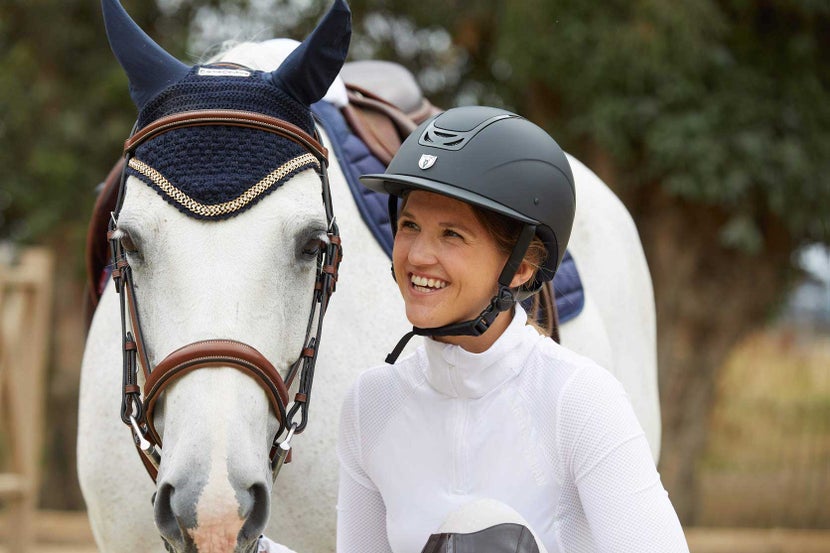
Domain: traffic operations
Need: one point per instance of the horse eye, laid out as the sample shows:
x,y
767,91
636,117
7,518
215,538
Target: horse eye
x,y
129,248
312,247
128,244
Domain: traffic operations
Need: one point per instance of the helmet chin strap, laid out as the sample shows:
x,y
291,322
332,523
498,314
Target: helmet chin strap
x,y
504,299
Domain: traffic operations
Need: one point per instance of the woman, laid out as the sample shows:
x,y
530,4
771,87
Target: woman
x,y
488,407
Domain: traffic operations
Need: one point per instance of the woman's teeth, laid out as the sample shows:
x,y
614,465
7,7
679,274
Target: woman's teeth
x,y
423,282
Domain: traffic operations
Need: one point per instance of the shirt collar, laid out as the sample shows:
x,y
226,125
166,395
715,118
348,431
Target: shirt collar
x,y
455,372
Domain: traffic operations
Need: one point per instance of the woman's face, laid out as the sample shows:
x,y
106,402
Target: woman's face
x,y
446,263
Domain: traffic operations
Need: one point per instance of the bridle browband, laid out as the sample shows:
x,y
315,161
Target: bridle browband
x,y
228,118
137,405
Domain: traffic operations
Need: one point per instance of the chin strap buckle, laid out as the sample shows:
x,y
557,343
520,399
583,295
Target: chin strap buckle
x,y
504,300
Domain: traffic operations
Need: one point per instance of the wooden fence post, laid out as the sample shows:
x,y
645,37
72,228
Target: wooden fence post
x,y
25,322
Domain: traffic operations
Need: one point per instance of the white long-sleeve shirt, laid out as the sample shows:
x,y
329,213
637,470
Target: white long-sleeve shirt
x,y
527,422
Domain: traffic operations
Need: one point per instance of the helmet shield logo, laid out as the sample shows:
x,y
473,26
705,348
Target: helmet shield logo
x,y
427,161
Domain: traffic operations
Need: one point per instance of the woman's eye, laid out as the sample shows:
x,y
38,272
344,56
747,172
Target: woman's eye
x,y
409,225
452,234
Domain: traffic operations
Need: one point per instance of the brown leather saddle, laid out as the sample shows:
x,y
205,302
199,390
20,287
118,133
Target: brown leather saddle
x,y
385,106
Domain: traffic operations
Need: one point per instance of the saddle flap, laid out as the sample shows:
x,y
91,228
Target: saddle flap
x,y
97,245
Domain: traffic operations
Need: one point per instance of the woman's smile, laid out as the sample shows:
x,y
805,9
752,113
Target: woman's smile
x,y
426,284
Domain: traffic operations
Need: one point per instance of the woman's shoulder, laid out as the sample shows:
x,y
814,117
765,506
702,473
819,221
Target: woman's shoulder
x,y
376,395
405,374
555,362
587,393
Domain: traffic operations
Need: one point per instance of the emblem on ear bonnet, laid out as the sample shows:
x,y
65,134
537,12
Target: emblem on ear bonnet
x,y
215,171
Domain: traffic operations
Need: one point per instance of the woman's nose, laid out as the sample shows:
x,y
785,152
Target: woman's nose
x,y
422,251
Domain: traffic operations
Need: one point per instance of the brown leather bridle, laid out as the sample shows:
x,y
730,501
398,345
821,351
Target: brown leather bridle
x,y
137,412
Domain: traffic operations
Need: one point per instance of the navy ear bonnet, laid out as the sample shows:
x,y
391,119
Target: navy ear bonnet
x,y
214,165
215,172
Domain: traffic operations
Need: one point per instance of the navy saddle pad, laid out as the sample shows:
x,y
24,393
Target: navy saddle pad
x,y
356,159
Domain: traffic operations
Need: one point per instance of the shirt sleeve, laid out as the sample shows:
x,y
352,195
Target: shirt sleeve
x,y
361,512
606,453
268,546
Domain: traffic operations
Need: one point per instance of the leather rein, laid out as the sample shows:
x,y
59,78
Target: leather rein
x,y
137,405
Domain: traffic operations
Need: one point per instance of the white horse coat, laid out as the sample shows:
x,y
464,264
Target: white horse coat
x,y
239,279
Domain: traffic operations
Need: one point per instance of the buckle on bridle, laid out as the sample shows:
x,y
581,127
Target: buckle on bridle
x,y
283,449
144,444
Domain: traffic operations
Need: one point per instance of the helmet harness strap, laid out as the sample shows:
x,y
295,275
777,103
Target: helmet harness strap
x,y
504,299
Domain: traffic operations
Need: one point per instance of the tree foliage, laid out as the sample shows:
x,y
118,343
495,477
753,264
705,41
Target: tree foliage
x,y
719,102
64,112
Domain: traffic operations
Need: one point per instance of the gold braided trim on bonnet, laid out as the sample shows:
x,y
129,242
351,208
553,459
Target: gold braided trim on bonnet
x,y
230,206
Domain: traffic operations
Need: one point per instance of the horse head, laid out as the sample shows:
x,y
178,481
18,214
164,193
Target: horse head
x,y
224,247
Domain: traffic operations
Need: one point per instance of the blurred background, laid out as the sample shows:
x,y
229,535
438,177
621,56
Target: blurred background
x,y
709,118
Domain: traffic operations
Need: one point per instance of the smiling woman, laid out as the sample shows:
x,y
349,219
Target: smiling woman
x,y
447,263
491,436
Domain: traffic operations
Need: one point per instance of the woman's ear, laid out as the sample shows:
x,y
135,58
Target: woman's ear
x,y
523,275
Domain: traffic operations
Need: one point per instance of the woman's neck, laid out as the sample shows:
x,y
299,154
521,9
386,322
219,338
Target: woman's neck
x,y
480,344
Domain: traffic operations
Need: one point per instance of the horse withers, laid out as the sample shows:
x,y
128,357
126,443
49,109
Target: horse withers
x,y
222,227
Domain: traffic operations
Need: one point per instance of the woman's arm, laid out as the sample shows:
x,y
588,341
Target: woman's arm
x,y
361,513
361,518
607,454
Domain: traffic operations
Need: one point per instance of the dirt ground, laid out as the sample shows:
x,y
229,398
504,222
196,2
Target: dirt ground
x,y
57,532
69,532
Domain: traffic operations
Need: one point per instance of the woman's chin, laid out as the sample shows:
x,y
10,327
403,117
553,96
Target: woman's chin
x,y
421,320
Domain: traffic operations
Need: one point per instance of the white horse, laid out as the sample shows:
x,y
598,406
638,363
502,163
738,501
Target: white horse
x,y
243,279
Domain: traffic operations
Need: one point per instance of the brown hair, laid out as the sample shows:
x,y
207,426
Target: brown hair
x,y
505,231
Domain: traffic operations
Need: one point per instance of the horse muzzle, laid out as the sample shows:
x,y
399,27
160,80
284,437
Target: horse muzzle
x,y
224,527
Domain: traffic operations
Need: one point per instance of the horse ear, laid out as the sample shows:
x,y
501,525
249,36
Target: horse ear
x,y
307,73
149,67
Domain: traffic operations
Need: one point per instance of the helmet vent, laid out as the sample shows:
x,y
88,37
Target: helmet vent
x,y
443,139
448,139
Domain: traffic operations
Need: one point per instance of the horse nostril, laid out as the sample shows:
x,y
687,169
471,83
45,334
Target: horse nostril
x,y
255,508
166,521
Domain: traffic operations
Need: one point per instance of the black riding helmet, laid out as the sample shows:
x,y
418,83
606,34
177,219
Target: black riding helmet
x,y
499,161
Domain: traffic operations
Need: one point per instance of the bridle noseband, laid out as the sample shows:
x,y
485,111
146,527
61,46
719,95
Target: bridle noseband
x,y
137,405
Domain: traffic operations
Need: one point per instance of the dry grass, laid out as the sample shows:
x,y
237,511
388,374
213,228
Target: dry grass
x,y
768,460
